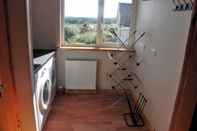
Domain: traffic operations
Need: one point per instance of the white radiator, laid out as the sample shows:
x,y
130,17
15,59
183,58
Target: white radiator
x,y
80,74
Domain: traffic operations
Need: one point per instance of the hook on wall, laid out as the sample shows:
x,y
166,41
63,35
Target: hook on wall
x,y
183,5
188,4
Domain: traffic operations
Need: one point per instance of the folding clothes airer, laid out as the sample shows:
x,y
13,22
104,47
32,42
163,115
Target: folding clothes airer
x,y
128,81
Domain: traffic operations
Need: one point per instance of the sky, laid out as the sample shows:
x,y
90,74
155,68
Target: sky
x,y
89,8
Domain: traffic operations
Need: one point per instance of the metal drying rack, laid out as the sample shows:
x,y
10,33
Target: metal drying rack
x,y
128,80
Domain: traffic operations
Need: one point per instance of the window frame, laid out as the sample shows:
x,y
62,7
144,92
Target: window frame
x,y
99,32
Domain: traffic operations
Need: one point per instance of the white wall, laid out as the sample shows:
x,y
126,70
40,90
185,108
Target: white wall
x,y
167,32
45,23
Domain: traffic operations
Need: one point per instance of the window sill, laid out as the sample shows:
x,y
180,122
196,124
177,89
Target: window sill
x,y
95,48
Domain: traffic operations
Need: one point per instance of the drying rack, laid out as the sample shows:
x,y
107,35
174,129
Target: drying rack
x,y
124,80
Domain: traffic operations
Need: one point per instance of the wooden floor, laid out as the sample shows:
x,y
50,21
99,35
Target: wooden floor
x,y
88,112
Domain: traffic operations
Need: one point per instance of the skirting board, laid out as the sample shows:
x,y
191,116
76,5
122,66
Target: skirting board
x,y
70,91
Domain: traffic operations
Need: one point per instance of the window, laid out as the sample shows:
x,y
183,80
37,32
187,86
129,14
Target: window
x,y
117,17
80,22
93,22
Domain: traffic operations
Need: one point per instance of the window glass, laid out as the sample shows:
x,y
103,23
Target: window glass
x,y
117,19
80,21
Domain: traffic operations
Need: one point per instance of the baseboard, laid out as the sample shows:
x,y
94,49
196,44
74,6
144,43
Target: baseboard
x,y
103,91
78,91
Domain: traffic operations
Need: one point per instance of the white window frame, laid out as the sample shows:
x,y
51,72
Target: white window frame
x,y
100,22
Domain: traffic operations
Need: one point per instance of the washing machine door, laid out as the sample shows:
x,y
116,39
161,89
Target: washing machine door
x,y
45,96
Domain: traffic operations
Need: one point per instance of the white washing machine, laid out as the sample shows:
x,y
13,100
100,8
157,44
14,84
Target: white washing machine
x,y
44,92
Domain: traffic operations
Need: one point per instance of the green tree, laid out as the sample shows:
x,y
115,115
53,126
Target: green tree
x,y
70,31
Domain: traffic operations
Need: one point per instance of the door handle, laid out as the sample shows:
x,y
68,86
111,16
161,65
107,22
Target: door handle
x,y
1,90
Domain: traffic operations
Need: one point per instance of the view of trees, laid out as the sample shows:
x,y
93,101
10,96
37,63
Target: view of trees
x,y
83,30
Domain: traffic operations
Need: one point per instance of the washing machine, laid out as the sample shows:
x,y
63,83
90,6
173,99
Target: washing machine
x,y
44,92
52,76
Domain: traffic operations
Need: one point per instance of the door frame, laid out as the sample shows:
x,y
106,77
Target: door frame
x,y
187,93
19,40
9,119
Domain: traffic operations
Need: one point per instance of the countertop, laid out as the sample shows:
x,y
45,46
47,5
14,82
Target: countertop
x,y
41,58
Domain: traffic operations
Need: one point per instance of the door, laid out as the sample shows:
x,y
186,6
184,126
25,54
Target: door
x,y
187,94
8,101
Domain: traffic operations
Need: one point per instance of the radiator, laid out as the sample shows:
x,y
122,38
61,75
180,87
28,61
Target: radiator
x,y
80,74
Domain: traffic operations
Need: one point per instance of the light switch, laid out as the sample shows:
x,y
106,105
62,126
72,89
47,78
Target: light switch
x,y
154,51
